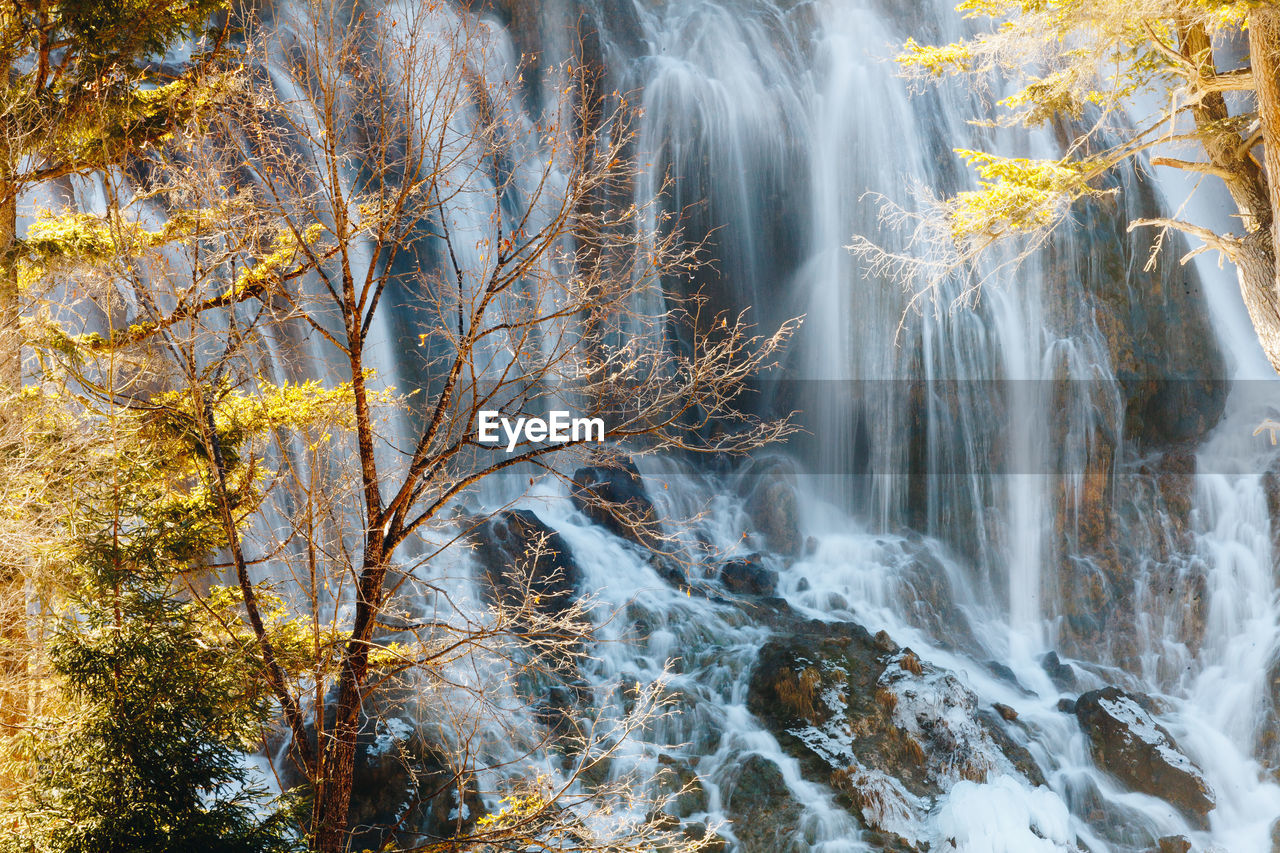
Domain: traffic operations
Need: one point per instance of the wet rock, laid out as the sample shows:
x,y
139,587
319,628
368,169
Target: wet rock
x,y
1005,712
748,576
1118,825
669,570
1271,490
1153,318
523,560
1170,369
1268,743
857,711
885,805
927,600
711,842
771,504
1173,844
612,494
1175,480
556,697
765,816
1002,732
1061,674
1129,744
678,781
1004,673
1067,706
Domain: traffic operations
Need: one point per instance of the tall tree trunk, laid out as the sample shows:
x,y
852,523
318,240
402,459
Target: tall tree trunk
x,y
14,658
331,817
10,340
1264,57
338,752
1255,196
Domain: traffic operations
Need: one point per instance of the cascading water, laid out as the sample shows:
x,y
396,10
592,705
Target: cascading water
x,y
984,485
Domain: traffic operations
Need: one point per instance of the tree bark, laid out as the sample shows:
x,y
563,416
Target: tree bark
x,y
1254,193
338,752
1264,43
10,339
10,342
1256,269
1221,142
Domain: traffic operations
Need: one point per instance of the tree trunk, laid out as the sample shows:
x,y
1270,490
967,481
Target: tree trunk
x,y
1256,269
1264,43
338,753
1254,194
10,340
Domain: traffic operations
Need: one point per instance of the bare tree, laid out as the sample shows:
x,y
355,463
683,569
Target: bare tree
x,y
379,203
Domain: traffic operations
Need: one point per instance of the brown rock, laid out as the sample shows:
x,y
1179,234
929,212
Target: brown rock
x,y
612,494
1129,744
519,555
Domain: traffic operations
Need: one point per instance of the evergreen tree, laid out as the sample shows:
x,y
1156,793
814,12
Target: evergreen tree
x,y
158,703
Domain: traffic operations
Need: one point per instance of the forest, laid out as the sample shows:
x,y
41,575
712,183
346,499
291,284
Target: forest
x,y
639,425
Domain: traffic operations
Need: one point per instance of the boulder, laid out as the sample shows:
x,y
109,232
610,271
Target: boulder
x,y
748,576
1005,674
1061,674
772,506
1128,743
1006,713
612,494
670,571
677,781
1173,844
522,560
888,731
765,816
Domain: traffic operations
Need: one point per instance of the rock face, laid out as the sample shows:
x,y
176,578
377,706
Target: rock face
x,y
613,496
749,576
885,729
1129,744
521,557
1155,327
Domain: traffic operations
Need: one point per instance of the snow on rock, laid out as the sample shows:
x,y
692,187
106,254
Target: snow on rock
x,y
1129,744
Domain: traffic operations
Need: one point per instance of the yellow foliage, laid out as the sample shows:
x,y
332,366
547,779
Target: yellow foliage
x,y
1017,194
937,61
514,810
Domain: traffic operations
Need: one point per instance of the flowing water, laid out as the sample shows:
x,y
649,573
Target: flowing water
x,y
979,440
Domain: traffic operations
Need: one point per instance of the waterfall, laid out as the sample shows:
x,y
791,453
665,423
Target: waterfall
x,y
1050,466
